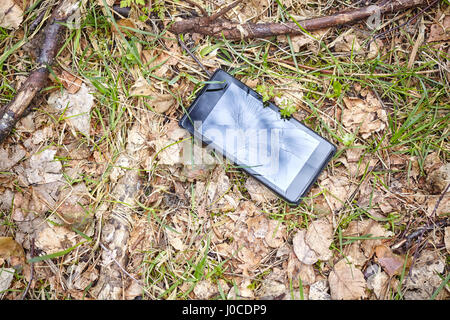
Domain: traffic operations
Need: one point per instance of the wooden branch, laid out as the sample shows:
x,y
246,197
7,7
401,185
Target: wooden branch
x,y
12,112
235,31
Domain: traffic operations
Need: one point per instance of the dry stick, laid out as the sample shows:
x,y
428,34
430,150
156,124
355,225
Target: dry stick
x,y
234,31
442,223
405,23
202,10
12,112
224,11
31,271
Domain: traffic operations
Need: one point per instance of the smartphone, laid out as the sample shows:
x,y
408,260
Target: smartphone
x,y
232,119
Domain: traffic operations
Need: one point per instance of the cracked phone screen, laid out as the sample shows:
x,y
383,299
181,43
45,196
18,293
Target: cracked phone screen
x,y
240,127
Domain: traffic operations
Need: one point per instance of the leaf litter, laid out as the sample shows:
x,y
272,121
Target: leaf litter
x,y
263,250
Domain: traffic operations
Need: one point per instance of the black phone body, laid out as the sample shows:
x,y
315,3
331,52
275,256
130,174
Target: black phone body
x,y
283,154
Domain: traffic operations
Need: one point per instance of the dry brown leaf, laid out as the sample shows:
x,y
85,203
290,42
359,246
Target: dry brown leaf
x,y
11,156
160,61
134,290
11,252
346,282
319,238
70,82
11,14
390,262
6,277
297,270
76,107
319,291
440,31
438,179
346,42
123,25
378,282
141,88
258,192
205,290
339,190
276,234
354,253
72,206
43,168
437,209
374,48
303,252
425,277
52,239
375,230
365,116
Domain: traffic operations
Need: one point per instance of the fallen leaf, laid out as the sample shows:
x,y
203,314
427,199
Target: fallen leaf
x,y
43,168
72,205
6,199
272,289
425,276
11,14
70,82
437,209
303,252
297,270
378,282
390,262
346,42
438,179
123,25
133,291
258,192
374,48
338,191
158,61
11,156
52,239
76,107
12,252
440,31
276,234
205,290
365,116
319,291
319,238
141,88
346,282
175,240
6,277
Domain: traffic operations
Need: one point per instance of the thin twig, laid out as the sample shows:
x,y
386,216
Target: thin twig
x,y
403,24
183,45
438,202
122,268
224,10
31,271
202,10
